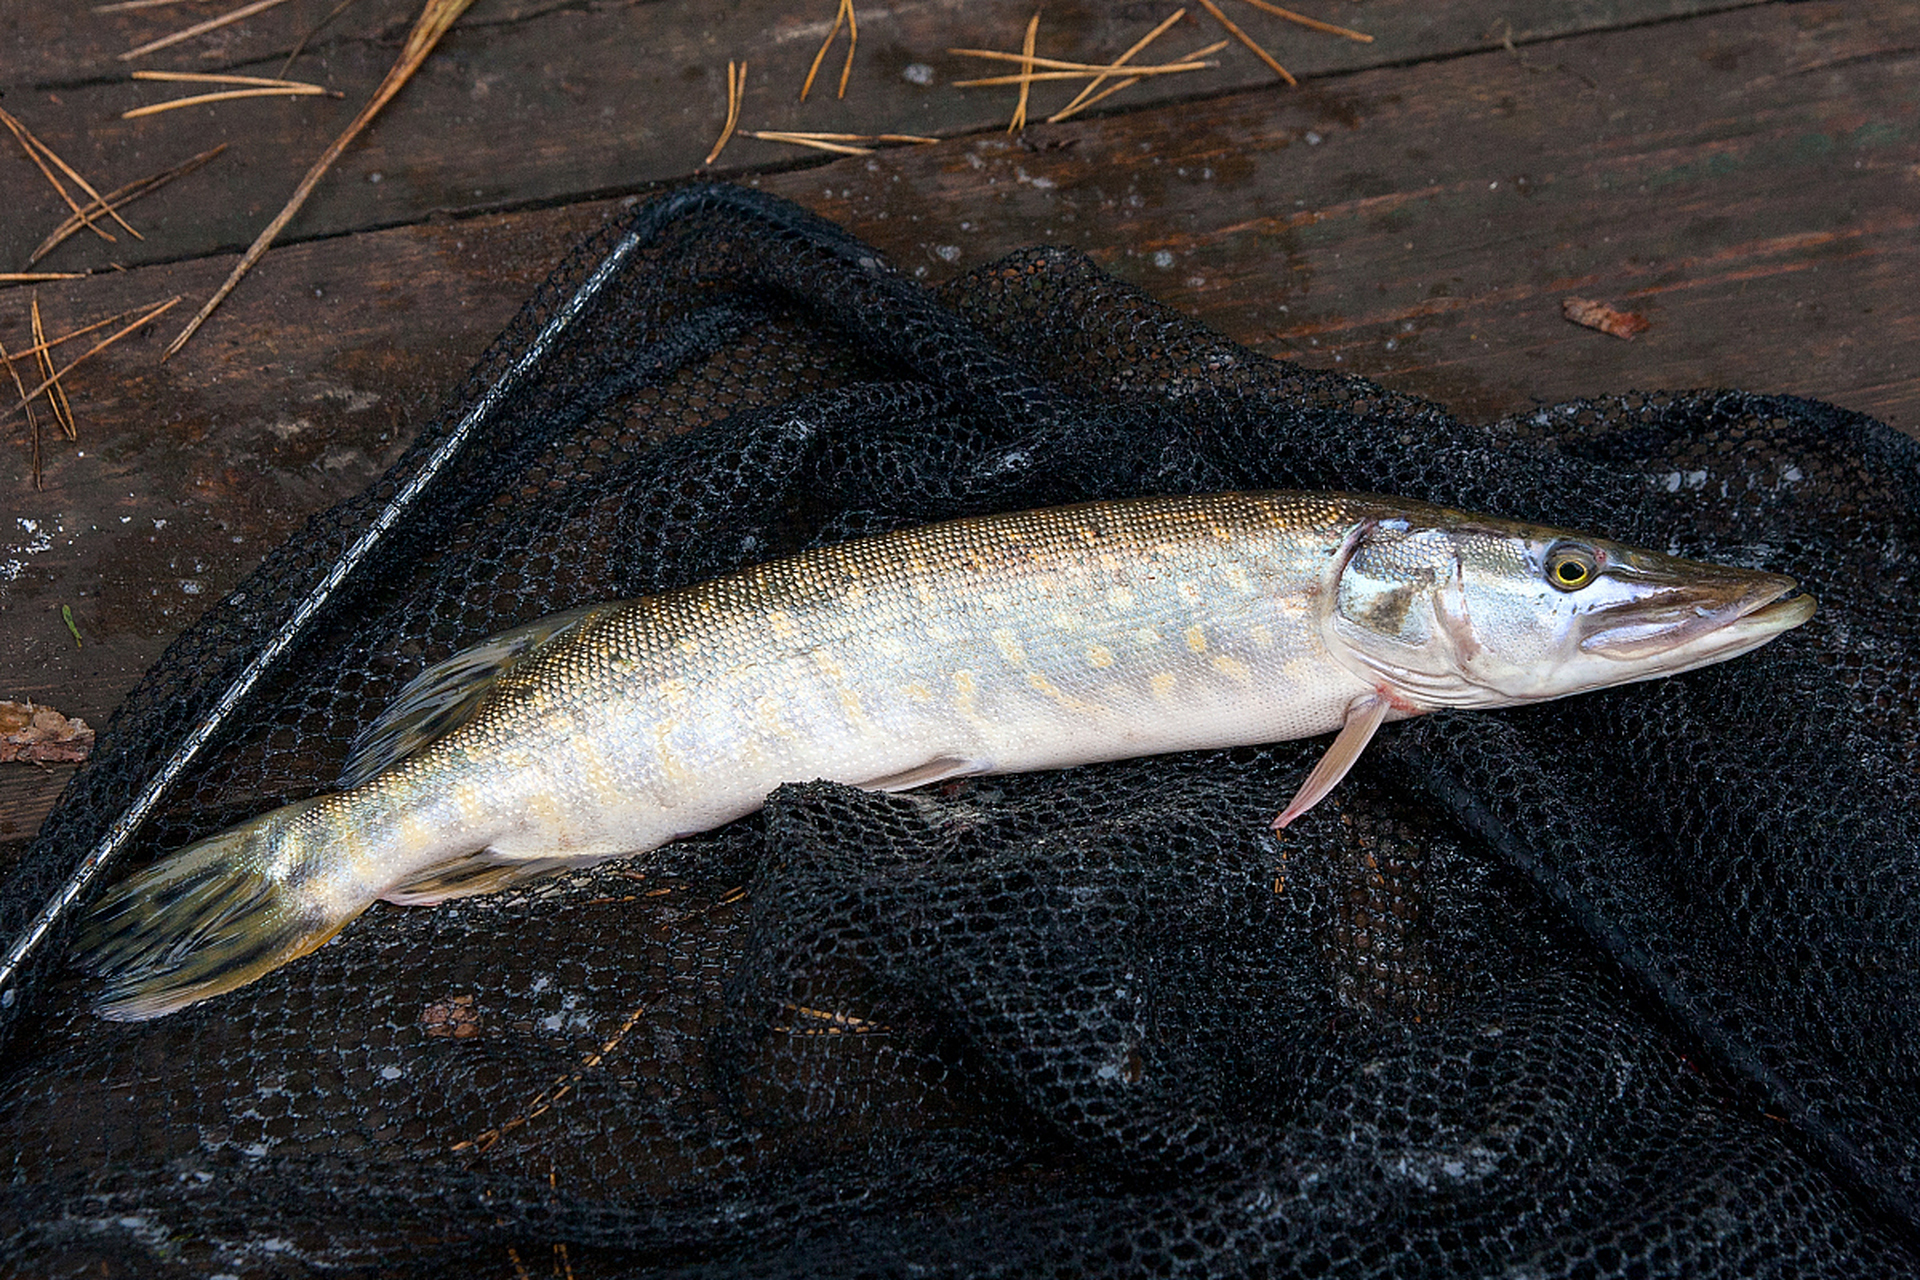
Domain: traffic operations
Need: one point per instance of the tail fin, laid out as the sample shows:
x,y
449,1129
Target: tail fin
x,y
201,922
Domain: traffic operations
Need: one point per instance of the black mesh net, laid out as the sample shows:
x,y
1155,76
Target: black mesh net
x,y
1623,985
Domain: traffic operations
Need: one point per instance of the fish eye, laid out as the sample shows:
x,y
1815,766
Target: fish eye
x,y
1570,566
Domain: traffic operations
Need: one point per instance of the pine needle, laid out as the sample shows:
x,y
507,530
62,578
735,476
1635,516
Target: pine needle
x,y
34,277
118,199
152,313
81,332
127,6
839,143
1019,120
818,144
1248,41
313,31
1311,23
736,86
228,95
33,423
39,152
213,77
1078,69
843,15
200,29
56,397
1132,80
1166,69
1126,57
553,1093
434,21
853,42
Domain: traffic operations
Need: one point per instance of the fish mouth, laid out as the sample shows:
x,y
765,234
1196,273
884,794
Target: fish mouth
x,y
1681,627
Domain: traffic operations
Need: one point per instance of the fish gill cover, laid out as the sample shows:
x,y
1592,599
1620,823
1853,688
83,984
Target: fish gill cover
x,y
1624,985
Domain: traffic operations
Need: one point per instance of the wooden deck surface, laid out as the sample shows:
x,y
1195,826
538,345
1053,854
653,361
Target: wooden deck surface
x,y
1744,175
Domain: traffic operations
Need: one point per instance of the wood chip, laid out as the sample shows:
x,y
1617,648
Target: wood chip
x,y
451,1019
1610,320
41,735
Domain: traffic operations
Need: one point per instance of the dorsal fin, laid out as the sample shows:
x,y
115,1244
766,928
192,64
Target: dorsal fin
x,y
445,695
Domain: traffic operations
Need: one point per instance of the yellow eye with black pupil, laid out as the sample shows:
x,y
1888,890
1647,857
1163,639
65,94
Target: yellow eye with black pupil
x,y
1570,568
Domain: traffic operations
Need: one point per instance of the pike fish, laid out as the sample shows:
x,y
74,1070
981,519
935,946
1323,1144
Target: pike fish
x,y
996,644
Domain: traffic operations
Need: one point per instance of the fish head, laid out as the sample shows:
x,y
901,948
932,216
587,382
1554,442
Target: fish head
x,y
1443,609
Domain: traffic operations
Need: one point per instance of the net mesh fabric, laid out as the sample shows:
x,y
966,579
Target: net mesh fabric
x,y
1622,985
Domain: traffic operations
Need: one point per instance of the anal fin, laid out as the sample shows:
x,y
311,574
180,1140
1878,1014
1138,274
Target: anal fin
x,y
481,872
1364,717
938,769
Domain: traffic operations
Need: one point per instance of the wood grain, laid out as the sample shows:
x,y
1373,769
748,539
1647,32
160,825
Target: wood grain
x,y
541,103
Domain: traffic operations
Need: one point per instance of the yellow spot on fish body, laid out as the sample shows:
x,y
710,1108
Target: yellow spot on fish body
x,y
965,689
1009,646
673,771
1041,684
1120,598
1162,685
767,708
1261,636
781,623
594,771
414,833
919,692
1099,656
1196,639
1231,667
837,676
1068,622
1236,576
471,803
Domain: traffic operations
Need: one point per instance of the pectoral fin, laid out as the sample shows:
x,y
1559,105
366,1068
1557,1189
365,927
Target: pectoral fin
x,y
1363,717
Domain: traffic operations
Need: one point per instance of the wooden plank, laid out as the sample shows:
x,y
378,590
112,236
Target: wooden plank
x,y
539,103
1745,180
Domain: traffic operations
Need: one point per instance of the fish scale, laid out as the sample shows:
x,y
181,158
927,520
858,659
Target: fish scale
x,y
1001,643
